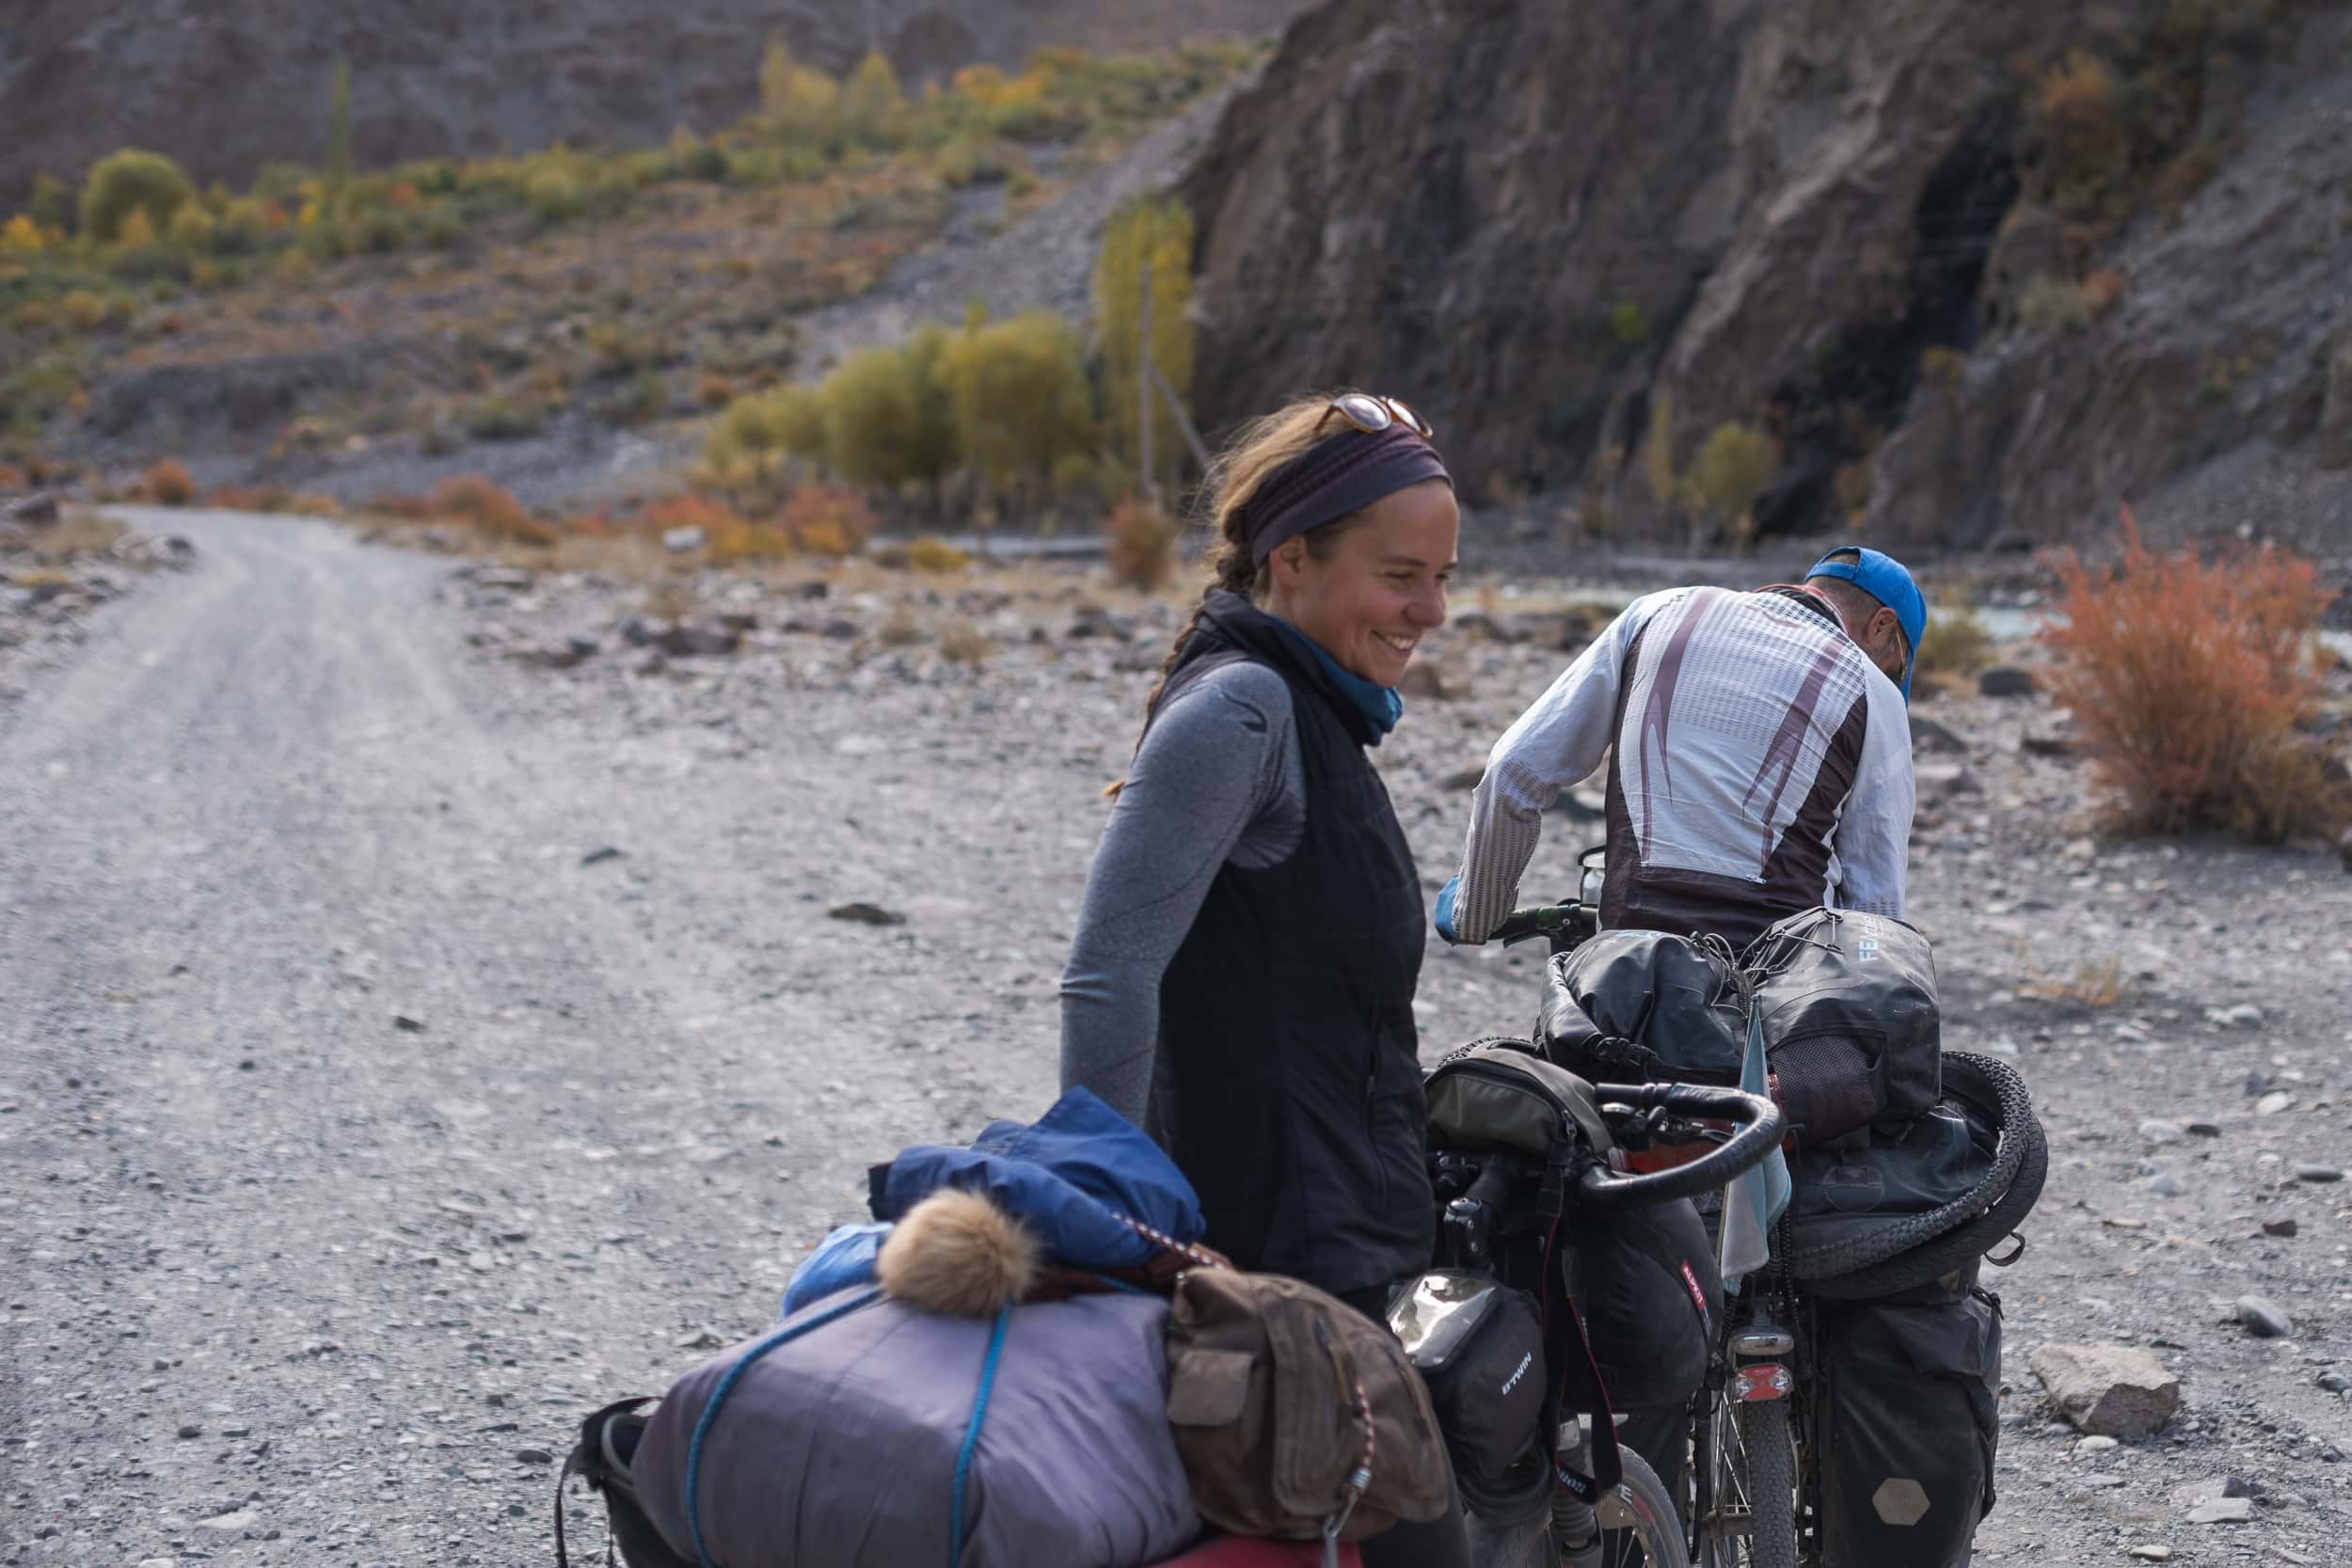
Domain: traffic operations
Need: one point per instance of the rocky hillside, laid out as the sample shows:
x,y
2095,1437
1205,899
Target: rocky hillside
x,y
1971,273
226,86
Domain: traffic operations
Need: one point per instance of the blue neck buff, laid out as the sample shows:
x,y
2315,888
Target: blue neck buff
x,y
1380,704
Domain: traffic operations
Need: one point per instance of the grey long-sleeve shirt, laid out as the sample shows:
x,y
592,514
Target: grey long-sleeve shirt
x,y
1217,782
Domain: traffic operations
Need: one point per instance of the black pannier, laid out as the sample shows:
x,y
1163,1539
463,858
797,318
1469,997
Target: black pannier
x,y
1645,1007
1891,1172
1909,1424
1479,1346
1848,1010
1646,1280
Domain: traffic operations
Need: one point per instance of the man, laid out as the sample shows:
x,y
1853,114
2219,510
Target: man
x,y
1760,757
1759,765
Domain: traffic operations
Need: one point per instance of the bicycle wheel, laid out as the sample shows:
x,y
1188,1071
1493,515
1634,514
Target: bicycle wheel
x,y
1642,1528
1746,1515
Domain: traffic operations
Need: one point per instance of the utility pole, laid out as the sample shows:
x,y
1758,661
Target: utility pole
x,y
1143,387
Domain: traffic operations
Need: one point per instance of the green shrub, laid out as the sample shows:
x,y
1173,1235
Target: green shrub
x,y
2053,304
502,418
51,207
376,230
131,182
1731,467
553,195
1627,325
872,109
888,417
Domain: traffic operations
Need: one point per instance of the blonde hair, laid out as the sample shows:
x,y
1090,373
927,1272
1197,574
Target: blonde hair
x,y
1259,448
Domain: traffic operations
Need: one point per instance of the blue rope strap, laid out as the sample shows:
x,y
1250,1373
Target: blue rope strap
x,y
972,1437
727,1385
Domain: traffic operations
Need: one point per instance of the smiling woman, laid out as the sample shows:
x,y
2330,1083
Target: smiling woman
x,y
1241,978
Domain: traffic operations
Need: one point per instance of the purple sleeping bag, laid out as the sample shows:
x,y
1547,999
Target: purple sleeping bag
x,y
837,1449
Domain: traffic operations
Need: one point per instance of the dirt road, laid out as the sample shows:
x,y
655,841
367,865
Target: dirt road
x,y
362,1124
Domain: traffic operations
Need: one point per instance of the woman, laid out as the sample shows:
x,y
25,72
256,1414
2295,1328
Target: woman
x,y
1241,978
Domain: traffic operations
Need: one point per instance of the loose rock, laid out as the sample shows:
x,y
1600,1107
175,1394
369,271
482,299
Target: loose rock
x,y
2318,1173
2005,680
2109,1390
2222,1510
2277,1227
2264,1320
2160,1131
866,915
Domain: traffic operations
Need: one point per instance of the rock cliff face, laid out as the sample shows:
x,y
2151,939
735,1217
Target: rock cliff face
x,y
225,86
1979,271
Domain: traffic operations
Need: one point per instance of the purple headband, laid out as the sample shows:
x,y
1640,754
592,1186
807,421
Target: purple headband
x,y
1341,474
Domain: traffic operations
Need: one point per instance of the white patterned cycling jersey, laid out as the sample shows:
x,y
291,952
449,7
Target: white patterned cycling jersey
x,y
1759,765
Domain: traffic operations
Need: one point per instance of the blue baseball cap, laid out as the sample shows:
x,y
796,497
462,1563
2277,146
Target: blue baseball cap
x,y
1887,580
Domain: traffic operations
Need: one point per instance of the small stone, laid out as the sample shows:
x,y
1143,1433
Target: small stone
x,y
2152,1553
683,541
407,1025
2273,1102
2222,1510
2202,1129
2318,1173
2264,1320
2164,1184
2099,1443
2005,680
2277,1227
2101,1481
698,1338
2335,1383
534,1456
2244,1015
191,1430
597,857
866,915
228,1524
2160,1131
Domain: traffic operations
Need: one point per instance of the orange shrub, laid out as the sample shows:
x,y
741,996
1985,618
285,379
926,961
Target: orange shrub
x,y
2187,679
168,483
827,519
690,510
491,511
1140,545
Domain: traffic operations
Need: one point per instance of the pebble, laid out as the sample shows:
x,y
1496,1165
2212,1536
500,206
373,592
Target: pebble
x,y
2264,1320
2273,1102
226,1524
2102,1483
2277,1227
191,1430
2165,1184
2203,1129
534,1456
2096,1445
2244,1016
2335,1383
2152,1553
2319,1173
2160,1131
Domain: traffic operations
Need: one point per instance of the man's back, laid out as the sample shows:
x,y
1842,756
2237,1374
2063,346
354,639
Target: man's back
x,y
1760,764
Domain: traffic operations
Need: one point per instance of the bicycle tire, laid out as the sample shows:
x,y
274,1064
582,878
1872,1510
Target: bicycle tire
x,y
1642,1512
1769,1452
2018,1128
1951,1251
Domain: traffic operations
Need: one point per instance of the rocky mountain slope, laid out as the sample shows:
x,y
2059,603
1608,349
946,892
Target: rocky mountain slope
x,y
1978,271
228,86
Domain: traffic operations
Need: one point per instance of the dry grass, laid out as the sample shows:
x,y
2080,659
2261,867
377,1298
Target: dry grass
x,y
76,535
491,511
961,643
925,554
1955,648
902,630
2095,984
1139,546
2187,678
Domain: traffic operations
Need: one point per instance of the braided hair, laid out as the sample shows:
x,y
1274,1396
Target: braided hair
x,y
1256,450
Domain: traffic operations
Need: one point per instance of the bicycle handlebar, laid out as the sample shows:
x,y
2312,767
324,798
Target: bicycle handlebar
x,y
1759,1128
1542,920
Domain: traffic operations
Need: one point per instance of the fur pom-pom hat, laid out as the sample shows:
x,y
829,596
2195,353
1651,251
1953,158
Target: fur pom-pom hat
x,y
959,1254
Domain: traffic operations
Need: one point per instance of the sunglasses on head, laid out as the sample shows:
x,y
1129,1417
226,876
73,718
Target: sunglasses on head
x,y
1371,414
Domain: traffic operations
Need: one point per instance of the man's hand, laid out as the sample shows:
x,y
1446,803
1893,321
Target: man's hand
x,y
1446,895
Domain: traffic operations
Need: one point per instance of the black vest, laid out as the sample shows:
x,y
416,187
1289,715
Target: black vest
x,y
1287,1085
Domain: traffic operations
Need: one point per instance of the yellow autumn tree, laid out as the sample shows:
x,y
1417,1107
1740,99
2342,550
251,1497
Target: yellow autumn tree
x,y
795,97
1160,233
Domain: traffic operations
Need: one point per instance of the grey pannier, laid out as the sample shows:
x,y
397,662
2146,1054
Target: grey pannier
x,y
839,1449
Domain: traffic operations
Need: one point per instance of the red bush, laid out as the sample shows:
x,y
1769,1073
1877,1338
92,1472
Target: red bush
x,y
2187,678
168,483
491,511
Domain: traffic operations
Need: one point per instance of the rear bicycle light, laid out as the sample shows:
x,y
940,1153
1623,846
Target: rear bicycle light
x,y
1761,1380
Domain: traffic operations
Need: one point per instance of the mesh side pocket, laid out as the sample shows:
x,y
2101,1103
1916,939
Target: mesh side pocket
x,y
1828,1086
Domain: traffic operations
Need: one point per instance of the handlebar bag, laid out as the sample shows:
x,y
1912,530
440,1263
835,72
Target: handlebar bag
x,y
1848,1005
1646,1006
1500,1094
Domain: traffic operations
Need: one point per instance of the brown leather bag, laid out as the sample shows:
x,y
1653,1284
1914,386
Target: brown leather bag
x,y
1295,1415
